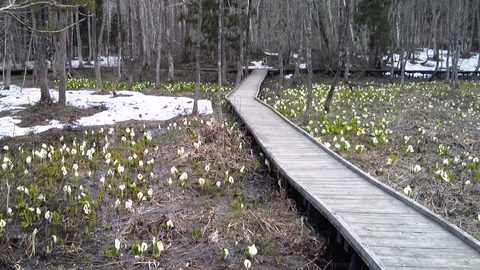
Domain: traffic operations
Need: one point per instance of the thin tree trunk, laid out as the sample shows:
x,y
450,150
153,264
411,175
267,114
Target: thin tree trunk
x,y
8,74
130,40
41,59
159,45
7,57
241,57
5,42
219,61
98,52
348,39
118,74
478,38
296,73
282,70
403,62
62,58
197,58
308,110
79,40
171,67
90,45
454,77
96,57
222,37
448,69
392,66
436,16
158,62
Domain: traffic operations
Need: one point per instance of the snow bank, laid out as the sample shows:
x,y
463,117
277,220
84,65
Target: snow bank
x,y
129,105
421,63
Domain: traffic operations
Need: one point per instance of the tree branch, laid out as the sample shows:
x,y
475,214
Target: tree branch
x,y
44,31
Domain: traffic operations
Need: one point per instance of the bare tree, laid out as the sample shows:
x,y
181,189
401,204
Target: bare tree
x,y
7,53
61,17
308,30
41,17
242,32
198,40
220,52
98,42
78,39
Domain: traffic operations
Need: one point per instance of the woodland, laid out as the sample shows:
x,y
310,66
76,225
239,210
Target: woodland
x,y
195,191
227,35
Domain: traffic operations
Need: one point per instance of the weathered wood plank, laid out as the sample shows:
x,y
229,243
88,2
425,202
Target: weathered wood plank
x,y
424,252
416,262
381,226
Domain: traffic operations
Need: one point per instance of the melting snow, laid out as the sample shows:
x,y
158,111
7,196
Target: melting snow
x,y
129,105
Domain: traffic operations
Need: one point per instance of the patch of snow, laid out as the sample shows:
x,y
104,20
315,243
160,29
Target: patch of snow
x,y
421,63
258,65
105,61
271,53
129,105
303,66
288,76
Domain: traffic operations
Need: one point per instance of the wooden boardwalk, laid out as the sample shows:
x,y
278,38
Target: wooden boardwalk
x,y
384,228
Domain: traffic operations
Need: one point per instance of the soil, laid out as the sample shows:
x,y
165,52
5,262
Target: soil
x,y
41,114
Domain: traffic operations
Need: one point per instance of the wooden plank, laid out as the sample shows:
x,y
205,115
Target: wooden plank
x,y
287,154
378,243
335,191
366,202
371,210
318,169
424,252
402,226
378,219
413,235
384,230
433,263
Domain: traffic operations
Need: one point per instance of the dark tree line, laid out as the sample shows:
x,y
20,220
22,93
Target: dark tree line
x,y
227,34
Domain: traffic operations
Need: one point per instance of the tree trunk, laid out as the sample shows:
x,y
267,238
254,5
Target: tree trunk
x,y
118,70
90,45
7,54
98,51
478,38
392,66
171,67
448,69
436,16
282,71
403,62
96,57
8,74
296,73
159,46
241,57
62,57
454,76
158,62
197,58
130,40
219,60
41,18
349,39
309,19
79,40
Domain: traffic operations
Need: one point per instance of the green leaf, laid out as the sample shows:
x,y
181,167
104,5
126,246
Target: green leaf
x,y
112,253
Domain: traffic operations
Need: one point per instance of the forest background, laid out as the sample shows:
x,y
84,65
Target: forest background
x,y
226,35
